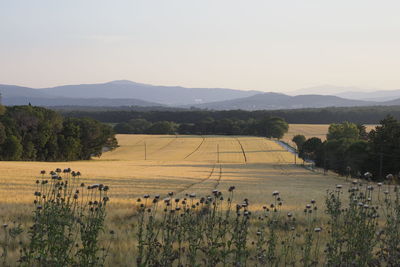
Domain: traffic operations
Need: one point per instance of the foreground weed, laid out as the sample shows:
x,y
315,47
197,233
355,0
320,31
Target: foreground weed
x,y
363,228
67,222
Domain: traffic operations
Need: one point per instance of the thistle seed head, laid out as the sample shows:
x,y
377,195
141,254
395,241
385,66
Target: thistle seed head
x,y
389,176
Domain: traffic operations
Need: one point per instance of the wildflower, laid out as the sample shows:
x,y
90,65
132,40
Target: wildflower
x,y
289,214
339,186
317,229
146,196
192,195
231,188
368,175
379,184
42,172
312,201
370,188
170,194
94,186
308,206
275,193
5,225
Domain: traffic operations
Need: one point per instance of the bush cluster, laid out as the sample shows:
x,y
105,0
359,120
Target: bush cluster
x,y
35,133
349,150
267,126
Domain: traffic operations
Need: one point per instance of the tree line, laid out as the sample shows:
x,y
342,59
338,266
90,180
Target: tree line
x,y
267,126
361,115
350,150
36,133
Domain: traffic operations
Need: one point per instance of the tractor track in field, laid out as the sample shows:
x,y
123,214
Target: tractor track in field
x,y
165,146
197,148
243,152
211,174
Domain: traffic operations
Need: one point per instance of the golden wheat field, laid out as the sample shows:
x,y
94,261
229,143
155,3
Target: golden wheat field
x,y
182,164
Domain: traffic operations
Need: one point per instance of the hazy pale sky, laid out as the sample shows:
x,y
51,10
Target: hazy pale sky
x,y
270,45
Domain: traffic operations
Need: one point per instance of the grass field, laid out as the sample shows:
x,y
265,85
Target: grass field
x,y
182,164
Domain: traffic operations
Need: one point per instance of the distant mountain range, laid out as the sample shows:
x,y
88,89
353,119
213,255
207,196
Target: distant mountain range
x,y
127,93
166,95
348,92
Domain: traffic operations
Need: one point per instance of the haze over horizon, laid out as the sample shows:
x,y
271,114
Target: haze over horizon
x,y
257,45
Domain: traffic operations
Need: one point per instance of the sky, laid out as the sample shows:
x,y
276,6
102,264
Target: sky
x,y
266,45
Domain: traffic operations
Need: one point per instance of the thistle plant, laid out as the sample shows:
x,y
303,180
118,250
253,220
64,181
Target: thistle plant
x,y
361,227
67,221
353,227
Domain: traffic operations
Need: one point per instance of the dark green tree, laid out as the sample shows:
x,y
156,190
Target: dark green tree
x,y
299,140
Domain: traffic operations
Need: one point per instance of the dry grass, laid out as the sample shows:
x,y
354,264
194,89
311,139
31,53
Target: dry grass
x,y
183,164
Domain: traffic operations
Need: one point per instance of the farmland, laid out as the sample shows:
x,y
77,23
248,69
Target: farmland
x,y
181,164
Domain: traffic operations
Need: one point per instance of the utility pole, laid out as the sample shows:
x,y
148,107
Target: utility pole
x,y
145,151
217,153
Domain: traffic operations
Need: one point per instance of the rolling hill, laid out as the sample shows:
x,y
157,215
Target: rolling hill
x,y
130,94
167,95
282,101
